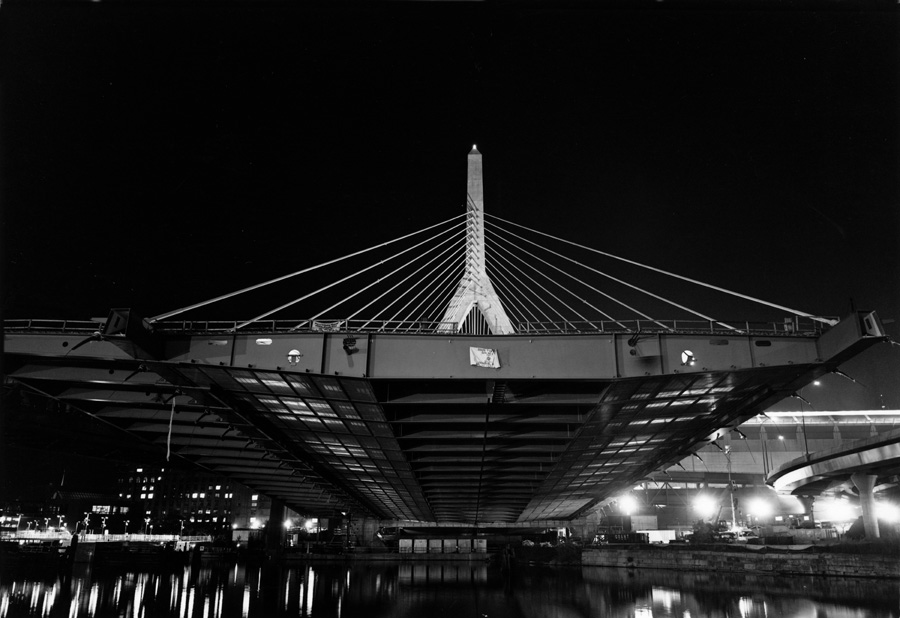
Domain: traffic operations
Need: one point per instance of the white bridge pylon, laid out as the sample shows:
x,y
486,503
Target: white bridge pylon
x,y
475,292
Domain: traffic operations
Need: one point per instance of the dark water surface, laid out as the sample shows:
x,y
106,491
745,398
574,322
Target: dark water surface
x,y
426,590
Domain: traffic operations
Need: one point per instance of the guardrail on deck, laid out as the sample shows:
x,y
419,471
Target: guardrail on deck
x,y
795,326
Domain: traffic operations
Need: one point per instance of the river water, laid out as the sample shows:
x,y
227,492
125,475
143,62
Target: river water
x,y
449,590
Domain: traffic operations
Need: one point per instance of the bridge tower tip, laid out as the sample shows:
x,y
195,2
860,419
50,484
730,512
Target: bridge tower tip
x,y
475,290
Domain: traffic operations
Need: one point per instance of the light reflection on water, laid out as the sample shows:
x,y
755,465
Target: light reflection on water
x,y
456,591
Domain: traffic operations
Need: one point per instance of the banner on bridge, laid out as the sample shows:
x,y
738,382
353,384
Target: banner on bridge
x,y
484,357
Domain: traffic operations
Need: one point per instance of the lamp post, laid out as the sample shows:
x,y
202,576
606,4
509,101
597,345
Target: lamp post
x,y
731,487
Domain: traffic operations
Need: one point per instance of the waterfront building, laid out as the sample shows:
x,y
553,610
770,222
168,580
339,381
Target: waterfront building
x,y
179,501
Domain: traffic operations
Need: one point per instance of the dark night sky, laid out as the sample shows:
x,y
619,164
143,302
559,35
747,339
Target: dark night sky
x,y
156,154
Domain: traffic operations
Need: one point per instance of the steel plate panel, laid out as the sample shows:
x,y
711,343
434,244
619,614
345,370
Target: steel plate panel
x,y
581,357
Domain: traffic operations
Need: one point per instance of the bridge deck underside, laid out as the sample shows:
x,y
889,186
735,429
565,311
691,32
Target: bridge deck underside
x,y
412,449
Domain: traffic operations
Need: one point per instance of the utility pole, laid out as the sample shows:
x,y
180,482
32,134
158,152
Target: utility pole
x,y
731,487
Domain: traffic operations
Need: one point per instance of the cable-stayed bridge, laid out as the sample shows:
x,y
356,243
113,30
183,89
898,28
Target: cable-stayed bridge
x,y
474,371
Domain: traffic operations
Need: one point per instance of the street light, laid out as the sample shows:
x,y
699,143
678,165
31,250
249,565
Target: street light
x,y
705,506
888,512
628,504
759,508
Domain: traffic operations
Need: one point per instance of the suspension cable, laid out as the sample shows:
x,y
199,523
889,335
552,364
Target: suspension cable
x,y
339,281
169,314
434,311
523,287
438,293
411,288
625,283
683,278
541,286
602,293
512,310
506,286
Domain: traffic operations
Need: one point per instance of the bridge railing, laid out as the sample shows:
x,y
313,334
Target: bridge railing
x,y
796,326
56,326
306,326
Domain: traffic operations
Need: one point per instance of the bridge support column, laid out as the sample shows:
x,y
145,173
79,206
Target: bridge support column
x,y
808,502
865,483
275,528
368,528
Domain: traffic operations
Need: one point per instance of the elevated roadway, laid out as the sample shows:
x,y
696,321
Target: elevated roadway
x,y
417,427
865,466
